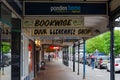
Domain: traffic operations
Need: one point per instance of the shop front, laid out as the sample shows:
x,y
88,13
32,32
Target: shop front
x,y
5,42
10,38
27,58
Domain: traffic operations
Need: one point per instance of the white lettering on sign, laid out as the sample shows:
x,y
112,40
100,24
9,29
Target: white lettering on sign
x,y
58,8
65,9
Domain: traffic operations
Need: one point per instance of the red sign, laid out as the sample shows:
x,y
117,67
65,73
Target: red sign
x,y
54,47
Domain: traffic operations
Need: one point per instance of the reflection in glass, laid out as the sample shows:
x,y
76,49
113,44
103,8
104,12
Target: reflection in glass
x,y
5,52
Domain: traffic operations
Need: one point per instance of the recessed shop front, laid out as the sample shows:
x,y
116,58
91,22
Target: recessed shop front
x,y
5,42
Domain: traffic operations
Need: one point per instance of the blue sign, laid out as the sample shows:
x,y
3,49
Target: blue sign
x,y
52,8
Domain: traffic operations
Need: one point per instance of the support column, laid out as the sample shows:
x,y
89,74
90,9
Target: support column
x,y
67,57
112,72
15,50
74,57
78,56
0,42
84,56
42,56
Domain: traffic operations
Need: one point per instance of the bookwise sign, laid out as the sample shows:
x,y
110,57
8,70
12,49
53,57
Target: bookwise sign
x,y
55,8
65,22
57,26
48,22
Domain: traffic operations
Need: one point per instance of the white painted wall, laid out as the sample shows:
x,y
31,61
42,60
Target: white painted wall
x,y
24,58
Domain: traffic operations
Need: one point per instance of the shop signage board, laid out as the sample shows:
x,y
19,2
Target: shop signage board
x,y
56,27
62,32
59,8
53,22
67,27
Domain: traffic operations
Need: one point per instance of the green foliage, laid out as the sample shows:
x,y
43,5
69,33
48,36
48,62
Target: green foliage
x,y
106,39
117,42
102,43
95,43
5,47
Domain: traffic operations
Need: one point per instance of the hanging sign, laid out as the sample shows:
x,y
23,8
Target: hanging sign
x,y
54,47
61,8
62,32
48,22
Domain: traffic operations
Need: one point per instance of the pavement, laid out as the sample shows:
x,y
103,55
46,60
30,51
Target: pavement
x,y
6,73
56,70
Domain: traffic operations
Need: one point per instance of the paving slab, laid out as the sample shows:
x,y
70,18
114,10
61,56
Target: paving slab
x,y
55,70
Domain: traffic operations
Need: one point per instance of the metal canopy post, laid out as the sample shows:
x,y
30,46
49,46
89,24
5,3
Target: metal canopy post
x,y
112,75
78,56
0,43
0,36
67,57
84,68
74,57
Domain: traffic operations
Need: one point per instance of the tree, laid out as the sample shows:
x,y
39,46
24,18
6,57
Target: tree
x,y
5,47
102,43
95,43
117,42
106,39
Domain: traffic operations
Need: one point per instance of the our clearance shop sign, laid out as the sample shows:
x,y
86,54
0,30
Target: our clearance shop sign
x,y
62,32
55,8
57,26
